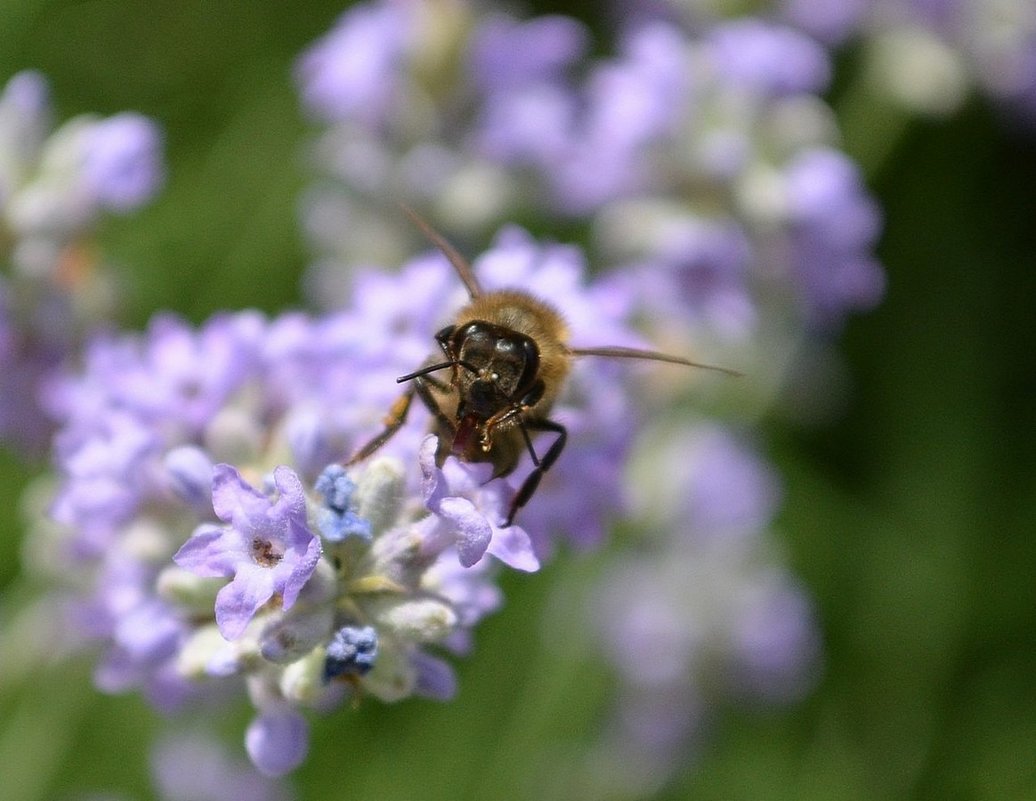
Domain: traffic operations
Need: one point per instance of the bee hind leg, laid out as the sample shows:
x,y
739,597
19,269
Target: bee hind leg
x,y
542,465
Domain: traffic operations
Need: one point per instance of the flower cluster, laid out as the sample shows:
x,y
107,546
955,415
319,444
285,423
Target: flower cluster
x,y
212,528
55,185
705,166
924,55
705,613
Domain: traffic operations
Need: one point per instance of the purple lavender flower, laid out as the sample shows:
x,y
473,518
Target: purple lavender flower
x,y
628,104
927,54
922,54
471,531
25,119
829,21
275,593
507,53
266,546
833,222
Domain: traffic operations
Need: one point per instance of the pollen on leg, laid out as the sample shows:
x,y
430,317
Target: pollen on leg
x,y
396,412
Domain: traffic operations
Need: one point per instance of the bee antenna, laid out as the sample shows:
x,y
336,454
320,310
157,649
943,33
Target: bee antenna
x,y
460,264
651,355
431,368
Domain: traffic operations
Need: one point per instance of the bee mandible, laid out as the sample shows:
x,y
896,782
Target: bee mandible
x,y
508,357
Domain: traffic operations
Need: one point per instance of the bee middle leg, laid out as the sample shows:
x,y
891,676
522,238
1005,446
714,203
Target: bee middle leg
x,y
542,465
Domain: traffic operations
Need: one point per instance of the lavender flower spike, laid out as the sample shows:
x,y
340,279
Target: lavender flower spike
x,y
56,184
267,546
320,581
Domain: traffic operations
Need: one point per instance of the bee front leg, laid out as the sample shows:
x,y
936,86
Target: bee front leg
x,y
398,414
445,427
393,422
532,481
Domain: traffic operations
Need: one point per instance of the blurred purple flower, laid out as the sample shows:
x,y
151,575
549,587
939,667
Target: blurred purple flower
x,y
54,187
506,53
833,223
196,767
349,71
706,613
768,59
829,21
628,105
923,54
677,126
122,162
25,119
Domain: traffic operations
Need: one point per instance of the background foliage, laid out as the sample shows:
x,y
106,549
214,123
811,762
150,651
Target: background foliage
x,y
910,515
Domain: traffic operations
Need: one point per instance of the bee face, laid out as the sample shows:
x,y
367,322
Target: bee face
x,y
497,367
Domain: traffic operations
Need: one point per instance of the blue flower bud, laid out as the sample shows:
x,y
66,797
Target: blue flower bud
x,y
352,651
336,520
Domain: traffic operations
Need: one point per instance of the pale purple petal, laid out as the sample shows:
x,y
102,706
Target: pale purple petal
x,y
305,564
507,52
235,500
472,532
352,70
190,476
513,547
238,601
210,551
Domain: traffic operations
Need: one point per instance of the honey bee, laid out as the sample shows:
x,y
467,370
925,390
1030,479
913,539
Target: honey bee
x,y
508,357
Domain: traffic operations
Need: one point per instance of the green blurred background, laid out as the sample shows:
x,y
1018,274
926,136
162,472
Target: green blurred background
x,y
910,517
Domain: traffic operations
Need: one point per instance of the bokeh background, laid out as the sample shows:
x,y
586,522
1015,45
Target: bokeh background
x,y
910,510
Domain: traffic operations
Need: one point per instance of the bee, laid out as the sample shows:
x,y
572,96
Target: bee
x,y
508,358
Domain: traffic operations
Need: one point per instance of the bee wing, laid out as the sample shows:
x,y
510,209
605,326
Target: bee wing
x,y
460,264
614,352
